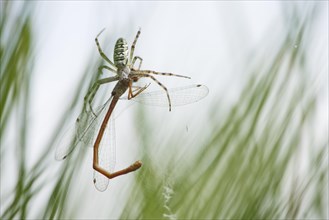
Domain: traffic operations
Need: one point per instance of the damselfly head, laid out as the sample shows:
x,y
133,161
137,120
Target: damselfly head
x,y
135,79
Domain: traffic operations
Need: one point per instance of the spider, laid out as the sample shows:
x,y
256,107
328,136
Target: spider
x,y
123,68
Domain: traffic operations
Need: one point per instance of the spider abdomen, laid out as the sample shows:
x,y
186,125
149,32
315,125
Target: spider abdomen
x,y
120,55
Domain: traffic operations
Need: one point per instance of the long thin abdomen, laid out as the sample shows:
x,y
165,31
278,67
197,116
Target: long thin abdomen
x,y
103,126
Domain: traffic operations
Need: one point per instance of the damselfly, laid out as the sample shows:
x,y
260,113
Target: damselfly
x,y
93,126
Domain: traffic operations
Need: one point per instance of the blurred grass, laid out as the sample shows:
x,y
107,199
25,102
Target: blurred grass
x,y
16,72
245,169
15,75
248,167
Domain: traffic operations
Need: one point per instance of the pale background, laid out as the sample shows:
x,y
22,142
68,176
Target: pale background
x,y
213,42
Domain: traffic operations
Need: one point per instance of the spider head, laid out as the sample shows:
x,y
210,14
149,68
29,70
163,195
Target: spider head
x,y
120,55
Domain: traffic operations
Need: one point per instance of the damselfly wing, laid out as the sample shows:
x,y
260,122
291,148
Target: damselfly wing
x,y
88,124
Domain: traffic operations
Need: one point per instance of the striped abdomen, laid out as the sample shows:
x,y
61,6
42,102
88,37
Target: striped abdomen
x,y
120,55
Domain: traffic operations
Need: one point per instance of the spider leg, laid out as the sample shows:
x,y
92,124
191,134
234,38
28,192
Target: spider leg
x,y
140,62
101,51
160,84
139,90
132,49
147,72
106,67
88,99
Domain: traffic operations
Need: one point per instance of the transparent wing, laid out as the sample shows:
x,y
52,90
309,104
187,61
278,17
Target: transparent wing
x,y
106,154
84,131
178,96
66,144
